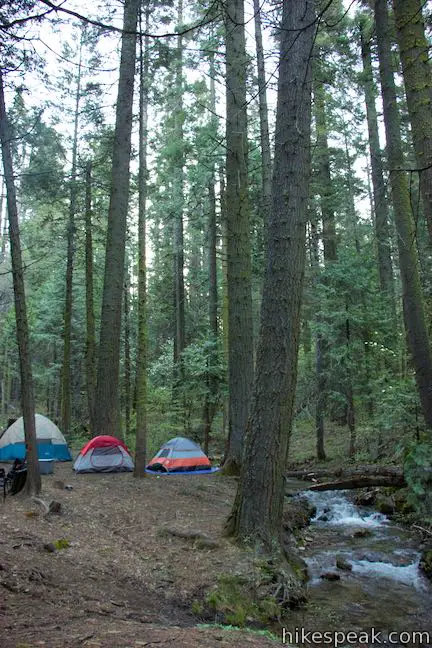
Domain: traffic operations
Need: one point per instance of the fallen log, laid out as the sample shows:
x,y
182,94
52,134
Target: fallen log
x,y
364,481
346,473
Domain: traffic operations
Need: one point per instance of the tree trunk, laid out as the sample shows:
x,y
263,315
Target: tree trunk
x,y
349,390
33,484
319,353
67,326
178,238
414,53
212,382
257,510
326,186
240,326
266,162
141,370
3,222
90,318
107,416
127,354
326,191
415,323
5,383
222,200
381,220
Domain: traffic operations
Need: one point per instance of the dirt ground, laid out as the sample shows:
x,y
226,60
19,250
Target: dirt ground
x,y
135,555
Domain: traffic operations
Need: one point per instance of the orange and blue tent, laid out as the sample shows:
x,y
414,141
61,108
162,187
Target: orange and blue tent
x,y
180,455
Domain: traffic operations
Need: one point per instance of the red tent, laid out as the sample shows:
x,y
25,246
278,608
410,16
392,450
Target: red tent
x,y
104,454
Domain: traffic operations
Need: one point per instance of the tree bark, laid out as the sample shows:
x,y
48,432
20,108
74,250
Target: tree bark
x,y
33,483
320,348
127,351
223,218
240,326
5,382
67,325
349,389
415,323
3,222
266,162
90,318
257,512
326,191
107,415
380,208
416,69
178,236
141,370
212,382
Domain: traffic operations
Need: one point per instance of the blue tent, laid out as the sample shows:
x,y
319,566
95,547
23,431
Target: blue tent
x,y
51,443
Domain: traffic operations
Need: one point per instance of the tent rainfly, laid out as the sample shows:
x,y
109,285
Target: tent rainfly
x,y
51,443
180,455
104,454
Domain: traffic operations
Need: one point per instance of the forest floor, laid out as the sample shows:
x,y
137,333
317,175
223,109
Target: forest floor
x,y
135,555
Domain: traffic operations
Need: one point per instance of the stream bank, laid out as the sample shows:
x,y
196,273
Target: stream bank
x,y
363,574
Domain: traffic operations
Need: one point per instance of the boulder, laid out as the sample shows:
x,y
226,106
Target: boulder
x,y
361,533
343,564
426,563
385,504
330,576
297,514
366,498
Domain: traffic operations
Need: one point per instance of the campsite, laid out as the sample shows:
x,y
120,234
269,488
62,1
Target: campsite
x,y
215,323
129,563
124,578
124,562
120,581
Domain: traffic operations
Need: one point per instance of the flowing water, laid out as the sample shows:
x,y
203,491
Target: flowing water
x,y
381,596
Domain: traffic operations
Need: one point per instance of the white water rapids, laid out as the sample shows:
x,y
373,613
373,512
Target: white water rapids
x,y
380,554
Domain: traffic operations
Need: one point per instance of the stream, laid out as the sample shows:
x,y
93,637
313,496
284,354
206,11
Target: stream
x,y
381,587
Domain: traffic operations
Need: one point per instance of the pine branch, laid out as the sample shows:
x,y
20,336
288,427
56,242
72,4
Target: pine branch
x,y
118,30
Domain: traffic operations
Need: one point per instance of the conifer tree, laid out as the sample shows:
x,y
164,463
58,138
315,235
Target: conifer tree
x,y
240,325
416,68
142,351
27,394
257,511
414,316
107,417
67,331
380,205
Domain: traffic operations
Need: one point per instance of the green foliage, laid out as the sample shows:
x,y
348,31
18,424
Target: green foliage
x,y
232,628
233,601
396,403
62,543
259,594
201,363
418,474
343,302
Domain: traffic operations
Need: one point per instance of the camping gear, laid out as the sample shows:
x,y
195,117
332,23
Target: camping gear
x,y
14,481
51,443
180,455
46,466
104,454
